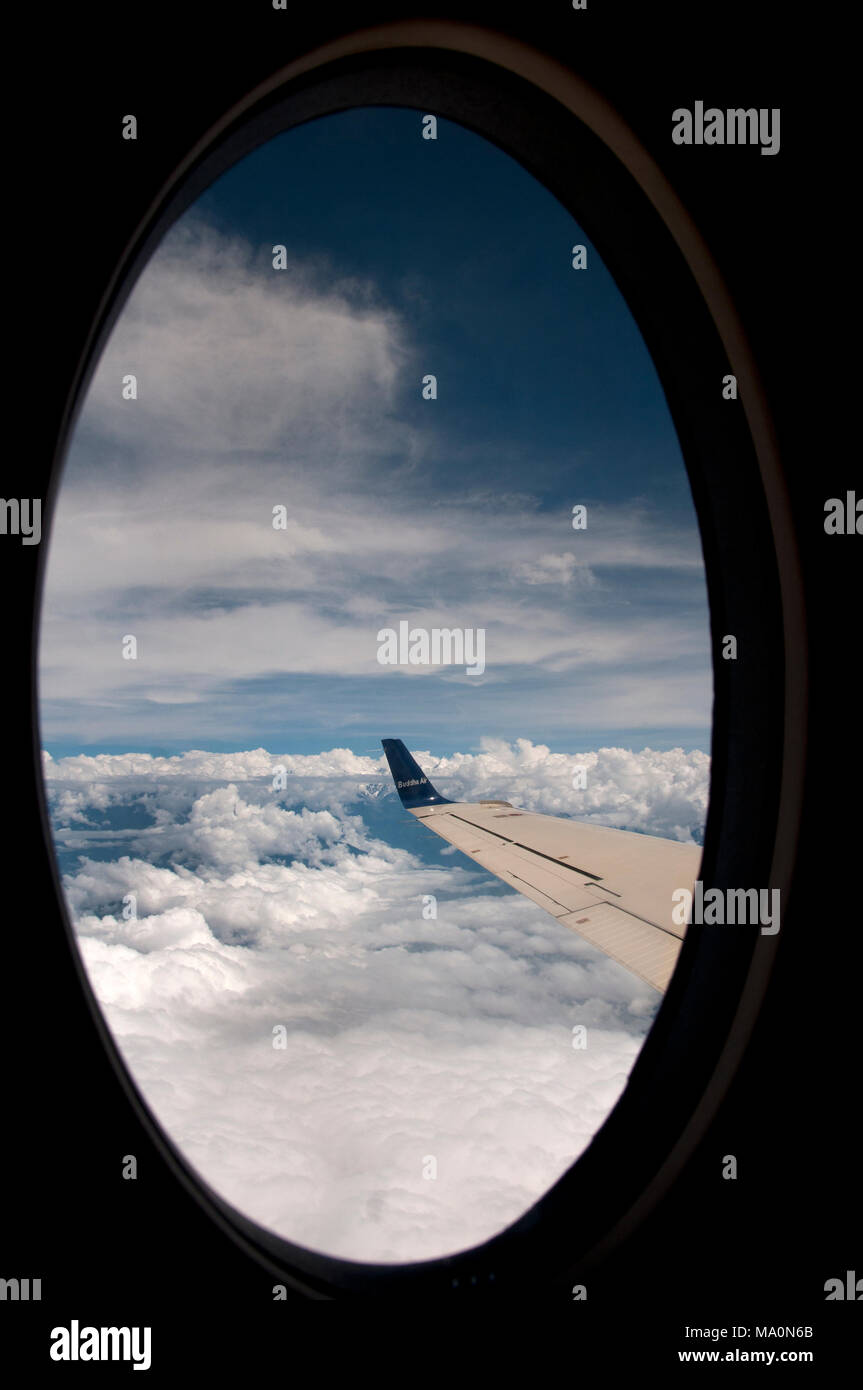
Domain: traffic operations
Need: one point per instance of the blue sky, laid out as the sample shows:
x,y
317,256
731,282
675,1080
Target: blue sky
x,y
303,388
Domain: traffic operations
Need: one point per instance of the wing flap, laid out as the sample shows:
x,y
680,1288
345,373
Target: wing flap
x,y
643,948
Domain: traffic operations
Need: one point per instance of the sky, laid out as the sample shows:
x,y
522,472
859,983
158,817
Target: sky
x,y
300,906
302,388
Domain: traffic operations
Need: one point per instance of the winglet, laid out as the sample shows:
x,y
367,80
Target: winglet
x,y
412,785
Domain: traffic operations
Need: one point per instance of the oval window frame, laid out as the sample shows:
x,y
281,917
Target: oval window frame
x,y
566,134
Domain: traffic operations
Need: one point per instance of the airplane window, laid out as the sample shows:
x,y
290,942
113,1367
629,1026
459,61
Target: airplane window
x,y
375,686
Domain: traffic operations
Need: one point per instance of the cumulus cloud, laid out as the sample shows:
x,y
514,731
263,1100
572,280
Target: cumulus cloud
x,y
657,792
236,916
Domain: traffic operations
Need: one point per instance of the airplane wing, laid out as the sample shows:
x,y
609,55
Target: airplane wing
x,y
613,887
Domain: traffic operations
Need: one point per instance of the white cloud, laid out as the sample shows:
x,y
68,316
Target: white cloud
x,y
406,1038
661,793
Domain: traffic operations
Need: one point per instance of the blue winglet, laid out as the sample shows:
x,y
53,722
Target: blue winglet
x,y
412,785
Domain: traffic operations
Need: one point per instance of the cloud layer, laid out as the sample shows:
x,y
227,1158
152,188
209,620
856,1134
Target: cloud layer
x,y
412,1042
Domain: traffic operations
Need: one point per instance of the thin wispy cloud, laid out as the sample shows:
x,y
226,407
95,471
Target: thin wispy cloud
x,y
164,527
